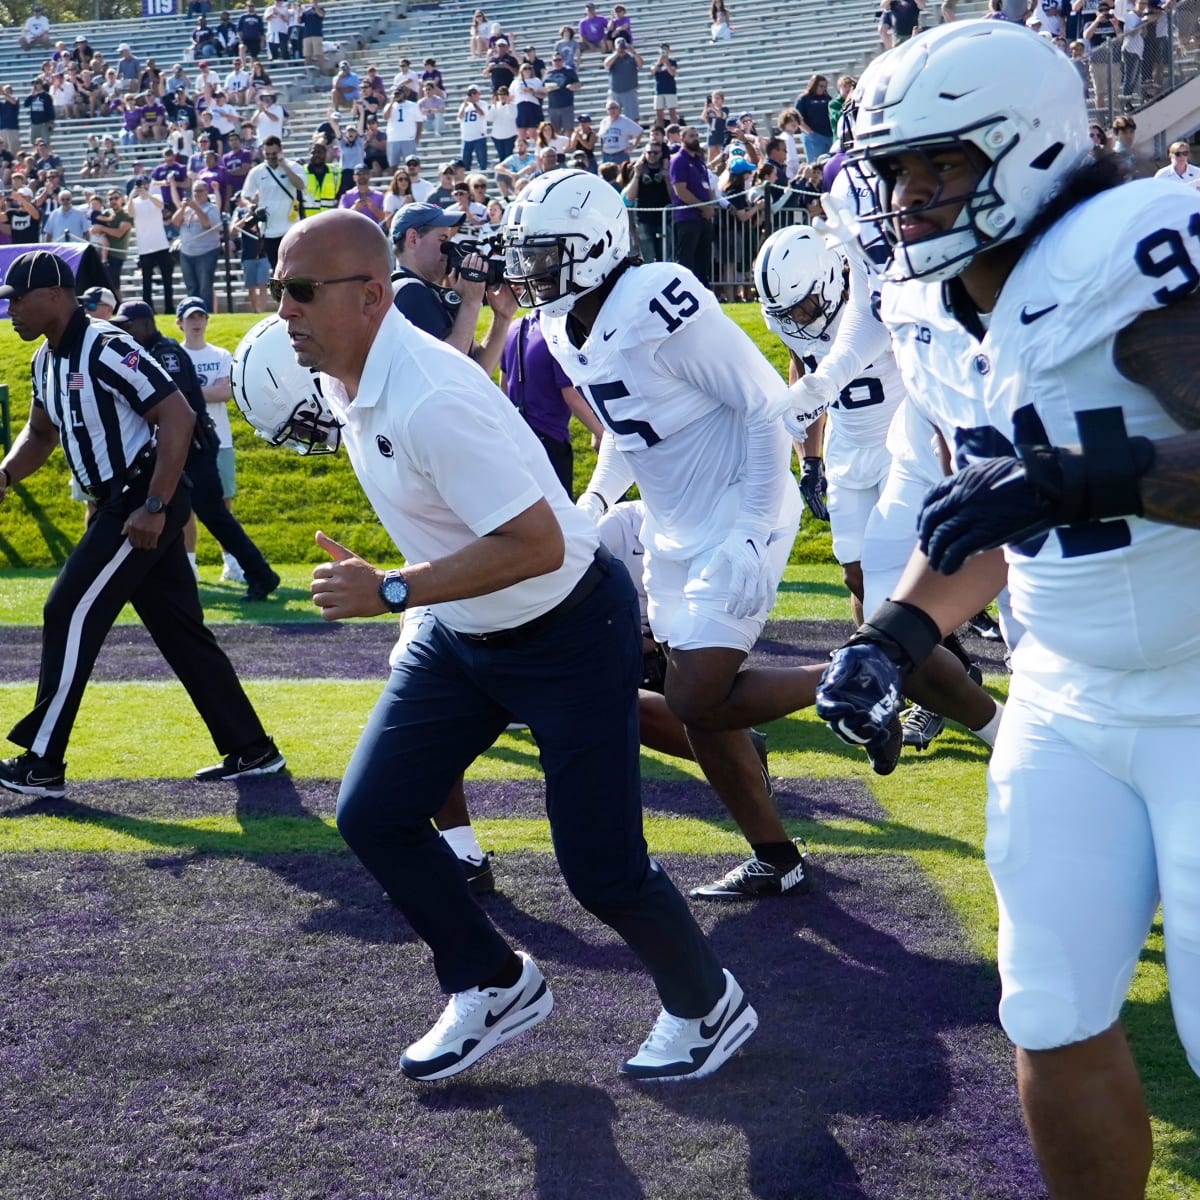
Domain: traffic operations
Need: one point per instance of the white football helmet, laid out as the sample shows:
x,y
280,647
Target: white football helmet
x,y
564,235
279,397
991,86
801,282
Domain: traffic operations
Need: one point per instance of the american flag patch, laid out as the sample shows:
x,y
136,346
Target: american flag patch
x,y
75,380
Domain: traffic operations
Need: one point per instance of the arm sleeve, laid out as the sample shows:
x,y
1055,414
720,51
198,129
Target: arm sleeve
x,y
612,476
861,338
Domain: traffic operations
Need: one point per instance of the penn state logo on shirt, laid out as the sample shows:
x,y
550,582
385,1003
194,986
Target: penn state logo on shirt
x,y
983,364
385,447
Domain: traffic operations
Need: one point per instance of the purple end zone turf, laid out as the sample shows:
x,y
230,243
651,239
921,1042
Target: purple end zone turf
x,y
280,795
215,1028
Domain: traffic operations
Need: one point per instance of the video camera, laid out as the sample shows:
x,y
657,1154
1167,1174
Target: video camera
x,y
491,249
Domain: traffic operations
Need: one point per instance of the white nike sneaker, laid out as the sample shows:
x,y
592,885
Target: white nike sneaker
x,y
479,1020
681,1049
232,572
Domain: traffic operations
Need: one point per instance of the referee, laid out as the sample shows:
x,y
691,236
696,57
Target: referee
x,y
125,429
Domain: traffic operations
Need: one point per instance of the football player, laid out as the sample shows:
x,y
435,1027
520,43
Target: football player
x,y
688,405
1046,312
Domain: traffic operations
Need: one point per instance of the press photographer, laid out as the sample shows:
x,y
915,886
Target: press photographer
x,y
441,286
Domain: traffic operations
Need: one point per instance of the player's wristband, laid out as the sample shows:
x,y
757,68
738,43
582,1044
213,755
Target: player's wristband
x,y
904,632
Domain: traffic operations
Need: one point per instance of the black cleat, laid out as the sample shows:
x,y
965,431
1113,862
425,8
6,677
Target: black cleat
x,y
884,749
32,775
921,726
755,878
260,589
984,625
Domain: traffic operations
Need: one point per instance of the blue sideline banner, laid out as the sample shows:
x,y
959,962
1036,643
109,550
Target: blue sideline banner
x,y
158,8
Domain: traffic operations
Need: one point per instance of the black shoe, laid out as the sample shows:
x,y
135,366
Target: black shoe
x,y
984,625
262,759
760,748
975,675
479,874
32,775
755,878
884,751
260,589
921,726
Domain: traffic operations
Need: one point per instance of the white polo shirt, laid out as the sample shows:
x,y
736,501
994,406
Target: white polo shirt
x,y
444,459
1190,176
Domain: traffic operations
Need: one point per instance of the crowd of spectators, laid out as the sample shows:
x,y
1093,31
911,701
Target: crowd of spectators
x,y
202,144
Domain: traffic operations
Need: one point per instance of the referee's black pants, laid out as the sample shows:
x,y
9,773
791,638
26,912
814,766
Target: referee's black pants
x,y
208,503
100,576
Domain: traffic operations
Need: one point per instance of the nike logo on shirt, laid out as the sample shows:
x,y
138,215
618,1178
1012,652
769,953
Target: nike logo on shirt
x,y
1028,318
609,334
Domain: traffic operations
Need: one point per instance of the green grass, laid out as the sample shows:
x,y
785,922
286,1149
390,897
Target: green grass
x,y
282,497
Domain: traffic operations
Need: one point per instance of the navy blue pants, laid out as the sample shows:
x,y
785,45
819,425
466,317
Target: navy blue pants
x,y
574,683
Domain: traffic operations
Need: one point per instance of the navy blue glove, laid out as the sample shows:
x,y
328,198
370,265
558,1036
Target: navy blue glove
x,y
859,697
814,488
988,504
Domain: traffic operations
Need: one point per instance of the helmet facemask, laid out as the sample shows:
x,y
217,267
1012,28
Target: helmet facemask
x,y
545,270
810,319
309,430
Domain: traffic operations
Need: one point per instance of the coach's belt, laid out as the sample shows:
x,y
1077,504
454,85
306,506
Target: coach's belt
x,y
142,464
588,582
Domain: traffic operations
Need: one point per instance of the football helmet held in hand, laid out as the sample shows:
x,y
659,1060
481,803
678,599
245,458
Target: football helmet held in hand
x,y
281,399
564,235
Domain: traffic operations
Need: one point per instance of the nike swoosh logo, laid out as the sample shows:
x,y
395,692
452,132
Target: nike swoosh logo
x,y
609,334
490,1018
707,1030
1028,318
637,553
33,780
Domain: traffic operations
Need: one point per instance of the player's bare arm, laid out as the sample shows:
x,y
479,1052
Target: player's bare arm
x,y
1161,351
35,443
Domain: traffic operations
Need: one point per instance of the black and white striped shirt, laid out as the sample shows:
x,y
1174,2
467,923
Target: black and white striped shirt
x,y
96,388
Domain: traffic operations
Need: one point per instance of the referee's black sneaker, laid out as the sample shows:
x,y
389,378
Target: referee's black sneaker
x,y
754,879
260,759
479,874
32,775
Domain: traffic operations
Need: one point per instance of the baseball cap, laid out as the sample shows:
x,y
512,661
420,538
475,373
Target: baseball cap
x,y
98,295
343,65
132,310
585,117
622,42
423,216
80,37
740,166
189,305
126,46
35,269
413,158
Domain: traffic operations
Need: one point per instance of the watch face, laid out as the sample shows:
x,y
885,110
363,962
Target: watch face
x,y
153,504
394,591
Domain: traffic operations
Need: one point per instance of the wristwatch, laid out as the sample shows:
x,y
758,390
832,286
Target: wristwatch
x,y
154,504
393,591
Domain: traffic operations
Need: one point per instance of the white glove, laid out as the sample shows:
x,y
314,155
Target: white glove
x,y
810,396
592,503
745,554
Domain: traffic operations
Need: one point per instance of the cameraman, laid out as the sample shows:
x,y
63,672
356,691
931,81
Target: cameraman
x,y
438,300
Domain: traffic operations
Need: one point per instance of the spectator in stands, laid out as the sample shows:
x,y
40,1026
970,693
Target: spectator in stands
x,y
1124,130
260,82
421,187
41,111
1180,167
666,96
268,118
255,267
546,160
66,223
592,32
715,114
364,198
278,21
561,83
225,118
36,30
845,86
649,195
513,166
472,124
720,22
502,118
501,68
906,17
237,82
528,91
198,221
432,106
129,68
169,174
692,197
225,35
619,26
815,130
546,136
115,225
443,193
22,219
1101,37
623,66
399,193
584,140
567,46
346,89
213,176
374,145
237,162
276,185
478,43
10,120
618,134
530,55
251,30
312,34
351,148
205,41
474,212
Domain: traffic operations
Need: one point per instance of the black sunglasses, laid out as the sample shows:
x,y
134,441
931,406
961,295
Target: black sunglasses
x,y
302,291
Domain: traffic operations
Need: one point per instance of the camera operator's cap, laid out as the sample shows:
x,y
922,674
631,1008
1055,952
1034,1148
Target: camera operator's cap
x,y
132,310
343,65
35,269
127,46
98,295
189,305
424,216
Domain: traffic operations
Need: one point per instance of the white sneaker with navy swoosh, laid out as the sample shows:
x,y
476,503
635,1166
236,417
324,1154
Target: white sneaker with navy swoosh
x,y
680,1049
479,1020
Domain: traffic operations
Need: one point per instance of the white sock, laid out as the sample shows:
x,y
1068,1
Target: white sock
x,y
463,842
988,732
192,560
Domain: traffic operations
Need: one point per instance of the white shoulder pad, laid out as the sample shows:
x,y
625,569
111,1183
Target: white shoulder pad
x,y
652,301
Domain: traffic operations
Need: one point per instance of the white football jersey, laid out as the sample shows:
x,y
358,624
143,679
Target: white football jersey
x,y
677,386
1110,606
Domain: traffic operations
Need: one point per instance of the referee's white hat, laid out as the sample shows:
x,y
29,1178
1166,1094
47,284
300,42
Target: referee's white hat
x,y
35,269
